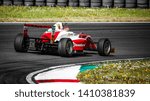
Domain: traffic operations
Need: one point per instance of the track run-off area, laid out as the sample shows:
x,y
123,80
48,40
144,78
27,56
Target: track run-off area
x,y
131,40
67,73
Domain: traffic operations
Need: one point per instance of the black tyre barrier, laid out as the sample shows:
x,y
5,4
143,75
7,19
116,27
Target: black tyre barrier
x,y
119,3
149,3
51,3
7,2
142,3
81,3
39,2
29,2
84,3
0,2
130,3
17,2
73,3
62,3
107,3
96,3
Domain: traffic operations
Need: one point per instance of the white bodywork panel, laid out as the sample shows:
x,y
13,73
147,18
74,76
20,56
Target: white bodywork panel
x,y
67,34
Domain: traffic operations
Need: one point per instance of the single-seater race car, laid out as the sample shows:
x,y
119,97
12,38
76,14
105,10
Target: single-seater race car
x,y
59,39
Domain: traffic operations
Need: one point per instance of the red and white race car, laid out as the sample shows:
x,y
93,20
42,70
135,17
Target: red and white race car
x,y
59,39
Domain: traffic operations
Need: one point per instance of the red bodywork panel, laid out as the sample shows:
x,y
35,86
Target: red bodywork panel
x,y
47,35
86,41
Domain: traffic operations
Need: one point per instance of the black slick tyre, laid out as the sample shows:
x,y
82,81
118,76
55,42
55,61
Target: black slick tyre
x,y
73,3
84,3
21,44
7,2
65,47
18,2
104,47
29,2
62,3
130,3
142,3
107,3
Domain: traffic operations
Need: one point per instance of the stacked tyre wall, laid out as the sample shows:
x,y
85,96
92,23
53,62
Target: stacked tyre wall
x,y
80,3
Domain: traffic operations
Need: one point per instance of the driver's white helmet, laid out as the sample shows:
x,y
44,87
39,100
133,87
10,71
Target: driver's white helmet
x,y
58,26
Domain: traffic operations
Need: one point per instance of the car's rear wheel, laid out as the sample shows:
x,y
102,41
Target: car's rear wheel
x,y
65,47
21,44
104,47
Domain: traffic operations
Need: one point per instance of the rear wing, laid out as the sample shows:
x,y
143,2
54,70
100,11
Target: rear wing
x,y
25,28
38,26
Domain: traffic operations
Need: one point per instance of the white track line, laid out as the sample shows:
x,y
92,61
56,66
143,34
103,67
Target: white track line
x,y
29,76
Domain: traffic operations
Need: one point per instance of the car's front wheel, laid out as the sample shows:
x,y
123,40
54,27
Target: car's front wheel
x,y
65,47
104,47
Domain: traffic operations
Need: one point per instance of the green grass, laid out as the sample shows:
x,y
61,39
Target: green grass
x,y
122,72
51,14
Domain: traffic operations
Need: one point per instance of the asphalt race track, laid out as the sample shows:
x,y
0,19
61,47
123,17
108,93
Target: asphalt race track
x,y
131,40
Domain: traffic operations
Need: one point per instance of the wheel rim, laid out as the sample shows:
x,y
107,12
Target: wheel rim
x,y
107,47
69,48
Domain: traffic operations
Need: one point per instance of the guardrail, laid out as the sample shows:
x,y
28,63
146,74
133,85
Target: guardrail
x,y
80,3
